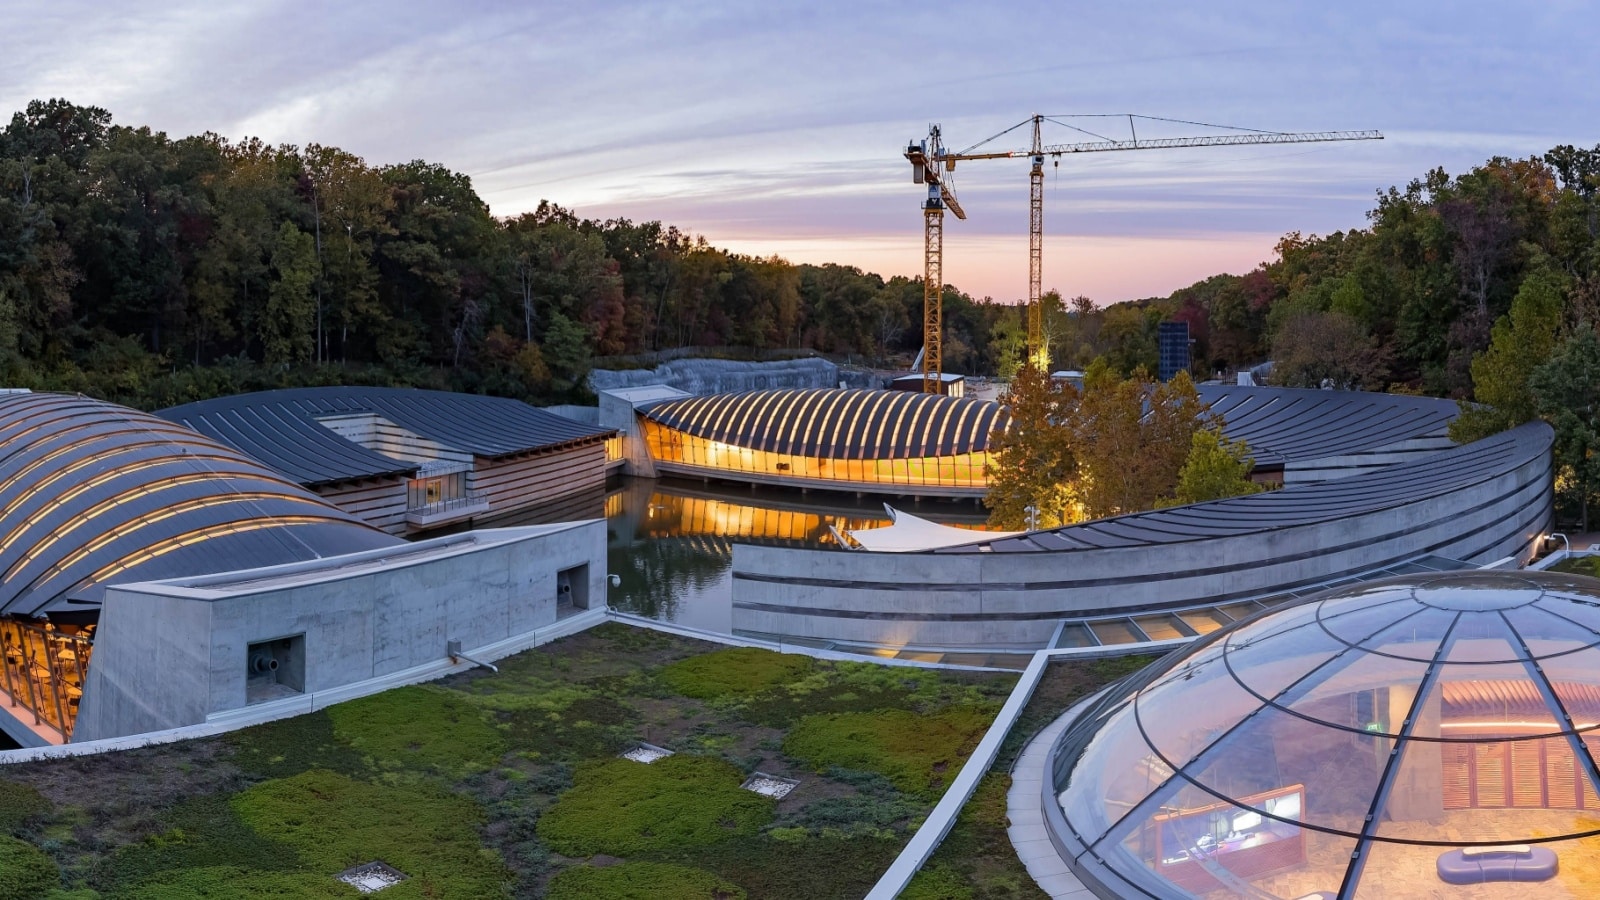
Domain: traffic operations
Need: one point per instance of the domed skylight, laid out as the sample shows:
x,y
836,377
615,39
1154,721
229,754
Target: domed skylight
x,y
1385,741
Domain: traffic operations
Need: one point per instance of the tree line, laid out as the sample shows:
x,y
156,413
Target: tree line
x,y
153,270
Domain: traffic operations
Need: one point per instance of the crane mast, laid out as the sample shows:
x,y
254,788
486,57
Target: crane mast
x,y
930,162
926,168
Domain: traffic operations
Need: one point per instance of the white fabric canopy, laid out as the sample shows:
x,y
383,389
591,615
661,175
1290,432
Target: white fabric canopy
x,y
909,533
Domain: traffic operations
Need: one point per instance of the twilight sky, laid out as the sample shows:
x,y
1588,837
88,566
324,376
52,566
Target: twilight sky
x,y
777,127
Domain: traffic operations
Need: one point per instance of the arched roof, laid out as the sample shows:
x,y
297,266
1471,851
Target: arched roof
x,y
1289,424
280,428
96,493
1383,724
837,423
1280,424
1297,504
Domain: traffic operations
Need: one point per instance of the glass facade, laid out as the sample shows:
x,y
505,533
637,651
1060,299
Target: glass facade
x,y
1390,740
670,446
45,668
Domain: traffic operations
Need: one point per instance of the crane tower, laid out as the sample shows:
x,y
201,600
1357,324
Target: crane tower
x,y
930,163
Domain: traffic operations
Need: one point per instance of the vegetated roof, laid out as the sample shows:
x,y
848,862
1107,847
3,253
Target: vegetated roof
x,y
96,493
280,428
837,423
1383,716
1289,424
1296,504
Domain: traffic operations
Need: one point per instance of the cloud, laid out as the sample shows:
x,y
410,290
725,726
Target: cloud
x,y
780,125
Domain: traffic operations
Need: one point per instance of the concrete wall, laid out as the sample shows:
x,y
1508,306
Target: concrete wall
x,y
721,376
172,653
1015,599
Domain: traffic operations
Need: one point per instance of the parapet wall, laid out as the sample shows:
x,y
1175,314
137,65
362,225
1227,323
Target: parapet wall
x,y
1477,504
173,653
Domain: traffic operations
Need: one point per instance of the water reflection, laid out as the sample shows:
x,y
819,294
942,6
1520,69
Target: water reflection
x,y
671,542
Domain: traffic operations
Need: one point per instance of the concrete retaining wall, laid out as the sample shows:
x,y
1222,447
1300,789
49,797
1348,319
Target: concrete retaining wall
x,y
172,653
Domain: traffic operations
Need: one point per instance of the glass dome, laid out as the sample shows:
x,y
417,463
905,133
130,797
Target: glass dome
x,y
1392,740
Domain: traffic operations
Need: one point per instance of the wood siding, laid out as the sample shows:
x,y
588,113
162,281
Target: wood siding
x,y
380,502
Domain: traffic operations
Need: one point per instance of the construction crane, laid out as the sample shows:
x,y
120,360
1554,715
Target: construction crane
x,y
927,167
931,163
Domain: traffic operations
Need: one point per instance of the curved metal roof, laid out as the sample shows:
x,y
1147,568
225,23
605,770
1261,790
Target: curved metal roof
x,y
837,423
1288,424
1280,424
280,428
1298,504
96,493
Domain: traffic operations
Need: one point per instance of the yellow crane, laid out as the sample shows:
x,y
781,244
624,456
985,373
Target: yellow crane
x,y
930,163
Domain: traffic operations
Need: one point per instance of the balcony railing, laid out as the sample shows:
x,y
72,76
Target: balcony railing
x,y
440,512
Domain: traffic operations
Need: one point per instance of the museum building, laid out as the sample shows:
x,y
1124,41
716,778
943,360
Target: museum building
x,y
409,461
152,577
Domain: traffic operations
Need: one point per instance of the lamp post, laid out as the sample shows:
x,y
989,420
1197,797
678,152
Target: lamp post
x,y
1033,517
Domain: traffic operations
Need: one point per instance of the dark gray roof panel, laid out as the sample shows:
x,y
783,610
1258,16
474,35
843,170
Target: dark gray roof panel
x,y
836,424
96,494
1288,424
280,428
1298,504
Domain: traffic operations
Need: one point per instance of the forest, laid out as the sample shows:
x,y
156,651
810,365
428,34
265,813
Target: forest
x,y
150,270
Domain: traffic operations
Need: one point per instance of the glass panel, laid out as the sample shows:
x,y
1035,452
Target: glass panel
x,y
1116,772
1204,621
1337,771
1491,701
1576,680
1115,631
1414,636
1159,628
1075,635
1227,850
1386,681
1177,725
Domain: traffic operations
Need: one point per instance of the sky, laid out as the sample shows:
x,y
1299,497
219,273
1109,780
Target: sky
x,y
779,128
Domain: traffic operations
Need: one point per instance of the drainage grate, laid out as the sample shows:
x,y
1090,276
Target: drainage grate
x,y
646,753
775,786
372,877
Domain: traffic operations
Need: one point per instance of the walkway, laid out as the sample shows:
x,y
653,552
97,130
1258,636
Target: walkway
x,y
1023,807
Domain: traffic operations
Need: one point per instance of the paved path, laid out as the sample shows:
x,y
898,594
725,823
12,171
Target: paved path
x,y
1027,829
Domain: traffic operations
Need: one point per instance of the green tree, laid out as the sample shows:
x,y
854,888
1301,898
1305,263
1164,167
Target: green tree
x,y
1566,390
287,326
1033,466
1215,468
1522,340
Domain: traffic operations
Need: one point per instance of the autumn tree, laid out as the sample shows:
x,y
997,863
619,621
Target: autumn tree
x,y
1033,467
1318,349
1132,436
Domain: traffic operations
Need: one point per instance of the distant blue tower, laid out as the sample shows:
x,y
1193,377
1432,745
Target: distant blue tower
x,y
1174,346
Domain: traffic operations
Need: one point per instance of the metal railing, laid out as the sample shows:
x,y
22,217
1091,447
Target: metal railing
x,y
471,498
